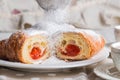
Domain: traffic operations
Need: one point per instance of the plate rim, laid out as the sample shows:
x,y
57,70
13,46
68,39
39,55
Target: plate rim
x,y
38,66
104,70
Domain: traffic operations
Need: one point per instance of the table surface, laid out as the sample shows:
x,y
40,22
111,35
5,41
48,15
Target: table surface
x,y
85,73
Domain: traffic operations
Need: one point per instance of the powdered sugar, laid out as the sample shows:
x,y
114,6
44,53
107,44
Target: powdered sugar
x,y
32,32
52,27
58,16
55,29
83,31
95,36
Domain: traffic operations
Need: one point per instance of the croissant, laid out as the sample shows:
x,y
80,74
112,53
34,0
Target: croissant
x,y
2,49
25,48
78,44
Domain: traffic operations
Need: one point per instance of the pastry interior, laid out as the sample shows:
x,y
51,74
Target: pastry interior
x,y
35,49
72,46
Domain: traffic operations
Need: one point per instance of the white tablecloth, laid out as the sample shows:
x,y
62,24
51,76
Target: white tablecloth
x,y
84,73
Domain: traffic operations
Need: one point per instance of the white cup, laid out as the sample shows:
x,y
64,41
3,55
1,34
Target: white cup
x,y
117,33
115,54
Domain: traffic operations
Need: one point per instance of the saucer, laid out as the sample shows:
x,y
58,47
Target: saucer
x,y
107,71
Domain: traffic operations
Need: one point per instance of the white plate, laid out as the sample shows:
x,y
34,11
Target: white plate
x,y
107,71
54,64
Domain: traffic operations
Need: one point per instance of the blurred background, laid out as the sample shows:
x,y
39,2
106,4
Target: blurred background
x,y
99,15
102,16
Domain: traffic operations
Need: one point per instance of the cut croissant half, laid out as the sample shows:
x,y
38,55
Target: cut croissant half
x,y
78,45
27,48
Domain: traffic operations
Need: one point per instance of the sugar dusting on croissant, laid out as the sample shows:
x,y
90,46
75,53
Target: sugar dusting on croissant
x,y
25,46
78,45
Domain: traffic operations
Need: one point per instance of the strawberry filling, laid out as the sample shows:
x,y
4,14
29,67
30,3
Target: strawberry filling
x,y
71,50
36,53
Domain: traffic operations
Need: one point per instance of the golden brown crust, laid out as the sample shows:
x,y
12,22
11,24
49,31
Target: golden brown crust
x,y
95,43
3,49
14,46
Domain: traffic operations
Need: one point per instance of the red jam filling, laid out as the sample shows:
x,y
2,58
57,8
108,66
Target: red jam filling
x,y
71,50
35,53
